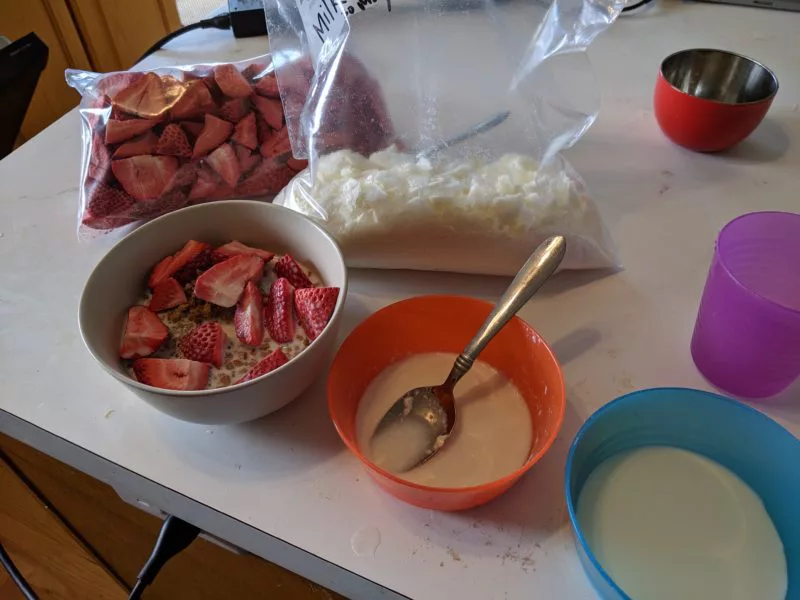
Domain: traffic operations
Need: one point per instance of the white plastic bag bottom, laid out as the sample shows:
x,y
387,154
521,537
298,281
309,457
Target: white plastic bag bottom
x,y
391,211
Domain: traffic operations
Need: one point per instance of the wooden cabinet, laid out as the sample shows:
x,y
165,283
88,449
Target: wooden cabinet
x,y
100,35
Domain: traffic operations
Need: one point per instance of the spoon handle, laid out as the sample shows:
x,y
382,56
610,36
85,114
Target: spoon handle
x,y
538,269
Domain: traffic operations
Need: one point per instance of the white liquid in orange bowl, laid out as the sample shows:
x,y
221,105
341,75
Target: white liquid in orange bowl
x,y
491,438
668,524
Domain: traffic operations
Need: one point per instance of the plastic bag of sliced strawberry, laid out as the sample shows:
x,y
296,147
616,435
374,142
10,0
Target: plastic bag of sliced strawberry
x,y
156,141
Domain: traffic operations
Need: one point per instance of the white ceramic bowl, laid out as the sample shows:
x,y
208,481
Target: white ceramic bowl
x,y
120,278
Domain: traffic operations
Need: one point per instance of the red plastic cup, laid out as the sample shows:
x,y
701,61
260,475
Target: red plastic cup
x,y
710,100
747,336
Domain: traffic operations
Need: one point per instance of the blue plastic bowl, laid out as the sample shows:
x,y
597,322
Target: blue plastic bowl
x,y
761,452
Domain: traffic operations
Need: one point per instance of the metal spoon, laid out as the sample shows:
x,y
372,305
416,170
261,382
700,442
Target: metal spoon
x,y
481,127
434,407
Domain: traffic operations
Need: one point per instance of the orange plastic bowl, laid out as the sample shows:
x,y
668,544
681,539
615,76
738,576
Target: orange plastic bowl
x,y
445,324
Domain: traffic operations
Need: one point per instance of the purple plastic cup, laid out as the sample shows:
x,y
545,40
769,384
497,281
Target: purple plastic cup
x,y
747,336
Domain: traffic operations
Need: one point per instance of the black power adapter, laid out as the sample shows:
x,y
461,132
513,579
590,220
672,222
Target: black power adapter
x,y
247,18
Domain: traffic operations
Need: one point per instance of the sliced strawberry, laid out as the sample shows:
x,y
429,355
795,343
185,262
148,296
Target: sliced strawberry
x,y
167,294
314,308
192,269
271,110
235,248
269,177
215,132
205,343
169,201
160,272
234,110
263,130
223,283
150,96
144,333
173,264
231,81
247,159
192,128
287,267
245,132
252,71
278,312
106,201
296,164
99,159
195,101
113,83
248,320
205,185
145,177
267,86
173,142
172,373
138,146
223,160
271,362
184,177
277,144
118,131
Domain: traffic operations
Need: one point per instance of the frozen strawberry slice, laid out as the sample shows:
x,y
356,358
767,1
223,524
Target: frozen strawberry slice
x,y
271,362
223,283
105,201
168,202
138,146
278,311
269,177
160,272
231,81
215,132
172,373
167,294
235,248
223,160
234,110
271,110
245,132
314,308
192,128
248,321
195,101
99,159
247,159
277,144
267,86
150,96
144,333
173,142
113,83
296,164
287,267
253,70
205,185
145,177
118,131
205,343
263,131
173,264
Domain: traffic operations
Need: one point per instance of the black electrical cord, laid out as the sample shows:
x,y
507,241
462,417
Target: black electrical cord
x,y
16,576
636,5
174,537
222,21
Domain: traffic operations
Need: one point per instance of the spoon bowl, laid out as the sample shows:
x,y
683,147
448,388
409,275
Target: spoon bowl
x,y
422,418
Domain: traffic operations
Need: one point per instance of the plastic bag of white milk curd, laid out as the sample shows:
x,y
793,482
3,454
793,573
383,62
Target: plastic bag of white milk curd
x,y
433,127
